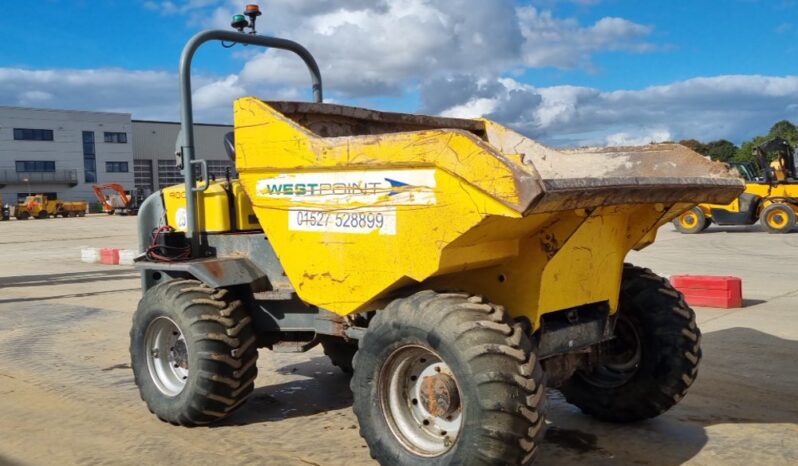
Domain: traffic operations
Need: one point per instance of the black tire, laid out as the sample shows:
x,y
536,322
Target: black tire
x,y
220,345
340,352
691,221
777,218
667,345
43,215
498,377
22,216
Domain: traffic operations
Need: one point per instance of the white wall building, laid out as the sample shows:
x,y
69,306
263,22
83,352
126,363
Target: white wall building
x,y
63,153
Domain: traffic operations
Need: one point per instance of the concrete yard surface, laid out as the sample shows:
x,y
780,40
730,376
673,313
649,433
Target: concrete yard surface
x,y
67,394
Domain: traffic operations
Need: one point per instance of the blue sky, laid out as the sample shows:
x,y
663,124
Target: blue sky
x,y
564,71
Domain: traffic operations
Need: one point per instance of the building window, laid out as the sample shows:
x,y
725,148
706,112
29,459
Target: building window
x,y
23,134
38,166
116,167
120,138
89,157
142,175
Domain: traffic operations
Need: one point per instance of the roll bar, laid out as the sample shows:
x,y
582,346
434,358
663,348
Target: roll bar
x,y
186,160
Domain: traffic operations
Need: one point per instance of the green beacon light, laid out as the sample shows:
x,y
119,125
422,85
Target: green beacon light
x,y
239,22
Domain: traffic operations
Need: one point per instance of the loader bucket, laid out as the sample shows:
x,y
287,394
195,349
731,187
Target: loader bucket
x,y
361,206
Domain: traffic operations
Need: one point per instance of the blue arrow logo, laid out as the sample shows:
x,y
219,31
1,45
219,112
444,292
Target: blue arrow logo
x,y
395,184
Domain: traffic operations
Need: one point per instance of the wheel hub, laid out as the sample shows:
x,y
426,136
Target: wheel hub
x,y
777,219
438,395
620,357
420,400
167,356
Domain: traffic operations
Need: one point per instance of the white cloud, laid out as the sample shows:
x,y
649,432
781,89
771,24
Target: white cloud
x,y
564,43
733,107
641,137
456,55
217,93
380,48
146,94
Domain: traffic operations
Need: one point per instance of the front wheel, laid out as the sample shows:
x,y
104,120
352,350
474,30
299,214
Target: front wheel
x,y
447,379
653,359
193,352
692,221
777,218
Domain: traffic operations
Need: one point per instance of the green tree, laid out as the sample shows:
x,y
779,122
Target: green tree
x,y
695,145
746,151
785,129
721,150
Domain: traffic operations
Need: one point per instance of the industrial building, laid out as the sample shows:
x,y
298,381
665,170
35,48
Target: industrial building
x,y
62,153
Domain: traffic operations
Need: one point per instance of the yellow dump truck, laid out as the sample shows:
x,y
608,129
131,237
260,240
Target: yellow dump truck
x,y
39,206
455,267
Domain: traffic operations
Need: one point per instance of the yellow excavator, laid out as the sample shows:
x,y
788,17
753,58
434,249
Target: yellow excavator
x,y
770,196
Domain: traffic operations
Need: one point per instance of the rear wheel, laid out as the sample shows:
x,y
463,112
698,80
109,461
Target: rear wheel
x,y
447,379
777,218
653,359
43,214
340,352
22,215
193,352
692,221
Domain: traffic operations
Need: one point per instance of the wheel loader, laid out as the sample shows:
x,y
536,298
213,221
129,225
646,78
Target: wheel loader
x,y
770,196
455,268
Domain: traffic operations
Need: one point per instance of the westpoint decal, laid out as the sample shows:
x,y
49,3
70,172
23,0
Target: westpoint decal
x,y
397,187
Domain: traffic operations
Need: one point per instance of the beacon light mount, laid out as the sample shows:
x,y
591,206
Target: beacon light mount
x,y
240,21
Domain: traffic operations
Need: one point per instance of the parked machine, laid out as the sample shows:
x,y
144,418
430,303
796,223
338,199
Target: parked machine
x,y
4,210
119,202
39,206
454,266
770,197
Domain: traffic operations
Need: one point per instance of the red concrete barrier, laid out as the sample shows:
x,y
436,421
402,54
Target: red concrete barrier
x,y
109,256
710,291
